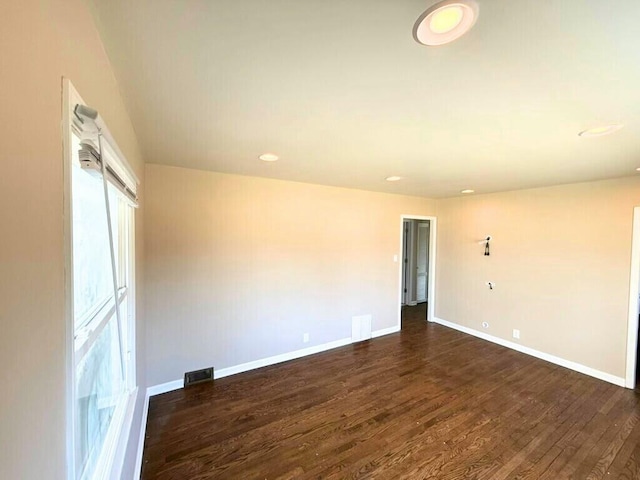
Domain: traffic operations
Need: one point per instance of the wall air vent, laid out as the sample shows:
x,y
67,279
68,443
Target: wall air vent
x,y
198,376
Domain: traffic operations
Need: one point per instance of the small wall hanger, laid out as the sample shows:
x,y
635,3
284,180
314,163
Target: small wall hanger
x,y
486,241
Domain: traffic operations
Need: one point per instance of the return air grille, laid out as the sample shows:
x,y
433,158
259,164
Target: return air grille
x,y
198,376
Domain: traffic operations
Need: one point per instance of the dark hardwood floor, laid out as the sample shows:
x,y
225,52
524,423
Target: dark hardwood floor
x,y
429,402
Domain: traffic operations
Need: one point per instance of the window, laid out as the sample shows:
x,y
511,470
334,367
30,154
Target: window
x,y
101,304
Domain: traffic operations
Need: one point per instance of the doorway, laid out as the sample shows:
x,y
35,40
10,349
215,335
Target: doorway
x,y
417,266
415,262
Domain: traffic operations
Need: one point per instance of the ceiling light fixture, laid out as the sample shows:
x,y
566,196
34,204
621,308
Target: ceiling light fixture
x,y
268,157
601,131
445,22
467,191
393,179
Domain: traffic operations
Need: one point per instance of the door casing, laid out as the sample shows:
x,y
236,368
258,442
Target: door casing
x,y
634,293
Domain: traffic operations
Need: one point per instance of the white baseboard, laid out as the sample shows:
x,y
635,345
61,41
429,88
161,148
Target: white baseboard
x,y
137,472
245,367
592,372
165,387
284,357
265,362
385,331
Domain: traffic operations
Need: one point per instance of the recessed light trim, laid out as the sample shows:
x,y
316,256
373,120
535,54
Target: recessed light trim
x,y
268,157
393,178
467,190
601,130
445,22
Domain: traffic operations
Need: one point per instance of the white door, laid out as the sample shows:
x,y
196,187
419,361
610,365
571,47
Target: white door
x,y
422,264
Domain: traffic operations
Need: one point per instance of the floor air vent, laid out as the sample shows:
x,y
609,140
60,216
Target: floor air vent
x,y
198,376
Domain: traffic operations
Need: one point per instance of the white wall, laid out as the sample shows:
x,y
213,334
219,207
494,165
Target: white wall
x,y
40,42
238,268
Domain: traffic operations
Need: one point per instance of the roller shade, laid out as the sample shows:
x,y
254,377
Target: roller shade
x,y
93,153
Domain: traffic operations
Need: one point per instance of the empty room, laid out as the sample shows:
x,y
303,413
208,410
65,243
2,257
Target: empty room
x,y
319,240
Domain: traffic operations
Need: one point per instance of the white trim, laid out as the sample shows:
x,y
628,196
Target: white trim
x,y
422,225
137,472
132,304
107,465
245,367
385,331
165,387
69,95
265,362
592,372
431,295
123,436
634,290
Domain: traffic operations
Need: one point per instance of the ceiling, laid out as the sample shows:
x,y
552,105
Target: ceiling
x,y
345,96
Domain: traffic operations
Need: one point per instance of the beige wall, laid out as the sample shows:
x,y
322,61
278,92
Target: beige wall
x,y
238,268
560,258
40,42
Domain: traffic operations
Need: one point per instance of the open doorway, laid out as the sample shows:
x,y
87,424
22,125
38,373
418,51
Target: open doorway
x,y
417,268
415,262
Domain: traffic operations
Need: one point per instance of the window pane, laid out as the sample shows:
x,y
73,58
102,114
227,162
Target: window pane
x,y
99,389
91,254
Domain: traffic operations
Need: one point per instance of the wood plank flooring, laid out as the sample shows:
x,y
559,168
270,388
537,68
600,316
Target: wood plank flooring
x,y
428,402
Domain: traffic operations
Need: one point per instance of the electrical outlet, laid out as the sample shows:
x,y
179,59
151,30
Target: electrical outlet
x,y
485,324
305,338
516,333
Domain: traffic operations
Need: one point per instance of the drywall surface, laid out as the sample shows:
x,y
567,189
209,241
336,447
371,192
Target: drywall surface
x,y
560,261
239,268
40,42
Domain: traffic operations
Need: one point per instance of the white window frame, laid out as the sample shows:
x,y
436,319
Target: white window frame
x,y
111,459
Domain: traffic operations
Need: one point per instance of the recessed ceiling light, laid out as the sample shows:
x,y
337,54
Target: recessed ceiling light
x,y
445,22
602,130
467,191
268,157
638,169
393,179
